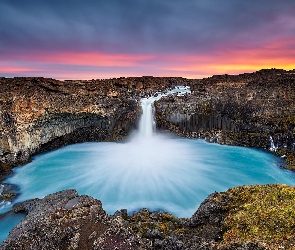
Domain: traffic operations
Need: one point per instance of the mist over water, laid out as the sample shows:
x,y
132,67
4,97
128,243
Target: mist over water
x,y
150,170
159,172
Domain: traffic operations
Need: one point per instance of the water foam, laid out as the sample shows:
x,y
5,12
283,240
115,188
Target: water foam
x,y
150,170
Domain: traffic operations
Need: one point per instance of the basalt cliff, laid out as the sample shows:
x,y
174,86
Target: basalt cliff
x,y
38,114
252,110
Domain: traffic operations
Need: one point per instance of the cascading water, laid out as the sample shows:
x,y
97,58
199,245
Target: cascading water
x,y
272,145
147,123
151,171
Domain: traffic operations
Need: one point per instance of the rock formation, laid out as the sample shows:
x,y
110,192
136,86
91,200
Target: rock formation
x,y
38,114
252,110
253,217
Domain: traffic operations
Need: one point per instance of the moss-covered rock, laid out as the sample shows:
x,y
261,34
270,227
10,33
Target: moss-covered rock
x,y
244,218
261,214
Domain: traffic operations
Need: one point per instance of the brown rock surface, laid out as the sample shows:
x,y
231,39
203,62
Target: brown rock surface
x,y
66,220
244,110
38,114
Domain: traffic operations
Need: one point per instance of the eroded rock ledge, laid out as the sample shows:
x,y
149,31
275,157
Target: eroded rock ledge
x,y
38,114
253,217
252,110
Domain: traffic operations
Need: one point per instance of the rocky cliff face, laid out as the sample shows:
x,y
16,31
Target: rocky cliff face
x,y
256,110
38,114
253,110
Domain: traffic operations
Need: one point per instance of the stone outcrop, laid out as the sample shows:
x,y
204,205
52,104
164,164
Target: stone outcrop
x,y
38,114
227,220
253,110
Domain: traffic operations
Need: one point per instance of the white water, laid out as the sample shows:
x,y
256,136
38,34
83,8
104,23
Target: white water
x,y
150,170
147,123
272,145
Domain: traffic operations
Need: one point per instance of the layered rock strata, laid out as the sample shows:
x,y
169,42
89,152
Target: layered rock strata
x,y
253,110
227,220
38,114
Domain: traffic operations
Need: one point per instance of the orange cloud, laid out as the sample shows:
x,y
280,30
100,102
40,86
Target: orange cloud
x,y
227,61
16,69
89,59
80,65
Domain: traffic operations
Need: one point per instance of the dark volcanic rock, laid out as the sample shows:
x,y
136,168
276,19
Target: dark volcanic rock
x,y
8,192
38,114
227,220
63,220
244,110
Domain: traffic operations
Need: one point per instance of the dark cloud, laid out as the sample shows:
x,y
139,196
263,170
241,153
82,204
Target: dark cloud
x,y
139,26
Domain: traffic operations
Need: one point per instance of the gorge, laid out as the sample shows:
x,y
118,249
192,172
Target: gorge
x,y
228,110
39,114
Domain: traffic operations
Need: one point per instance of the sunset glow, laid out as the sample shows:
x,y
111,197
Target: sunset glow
x,y
92,41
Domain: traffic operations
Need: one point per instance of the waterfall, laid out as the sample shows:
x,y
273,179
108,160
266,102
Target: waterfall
x,y
272,145
149,170
147,121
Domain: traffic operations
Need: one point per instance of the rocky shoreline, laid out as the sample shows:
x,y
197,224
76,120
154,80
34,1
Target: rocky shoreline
x,y
252,110
227,220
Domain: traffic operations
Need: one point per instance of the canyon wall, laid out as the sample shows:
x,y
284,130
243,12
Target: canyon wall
x,y
253,110
38,114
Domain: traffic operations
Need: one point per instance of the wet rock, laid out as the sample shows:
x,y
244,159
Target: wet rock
x,y
51,224
8,192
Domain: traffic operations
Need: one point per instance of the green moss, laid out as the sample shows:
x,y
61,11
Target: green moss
x,y
145,221
7,196
290,167
263,214
289,119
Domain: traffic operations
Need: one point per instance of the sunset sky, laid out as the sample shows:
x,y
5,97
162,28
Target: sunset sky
x,y
91,39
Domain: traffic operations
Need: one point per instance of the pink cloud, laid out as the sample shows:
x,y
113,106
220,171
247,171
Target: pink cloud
x,y
81,58
230,59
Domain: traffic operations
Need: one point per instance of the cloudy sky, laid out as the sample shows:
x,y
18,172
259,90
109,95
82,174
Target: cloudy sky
x,y
74,39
